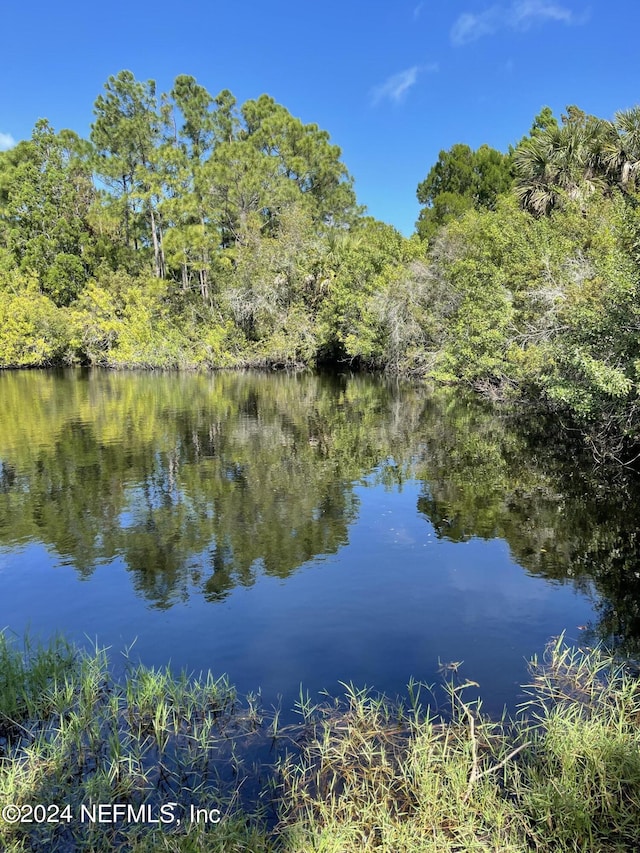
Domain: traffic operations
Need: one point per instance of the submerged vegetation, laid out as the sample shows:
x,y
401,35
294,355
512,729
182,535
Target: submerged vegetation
x,y
194,769
190,231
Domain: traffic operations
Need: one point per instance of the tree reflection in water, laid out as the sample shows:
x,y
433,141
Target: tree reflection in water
x,y
204,481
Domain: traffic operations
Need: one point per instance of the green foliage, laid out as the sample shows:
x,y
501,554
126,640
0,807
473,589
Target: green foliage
x,y
49,194
547,304
33,330
125,136
569,162
107,741
367,774
192,231
304,156
228,204
591,372
462,179
402,315
471,300
359,263
126,321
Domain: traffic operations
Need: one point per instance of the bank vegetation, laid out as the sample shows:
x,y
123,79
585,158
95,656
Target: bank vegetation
x,y
357,774
192,232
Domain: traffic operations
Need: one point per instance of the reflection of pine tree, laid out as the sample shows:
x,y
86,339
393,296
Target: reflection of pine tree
x,y
194,482
201,483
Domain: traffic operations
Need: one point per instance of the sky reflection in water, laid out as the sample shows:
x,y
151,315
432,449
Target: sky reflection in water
x,y
301,529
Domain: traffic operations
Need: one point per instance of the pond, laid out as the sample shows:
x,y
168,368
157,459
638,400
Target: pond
x,y
306,530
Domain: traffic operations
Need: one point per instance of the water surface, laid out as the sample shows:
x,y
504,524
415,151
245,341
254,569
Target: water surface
x,y
305,529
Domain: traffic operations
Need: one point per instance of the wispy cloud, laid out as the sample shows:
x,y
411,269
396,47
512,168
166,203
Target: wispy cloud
x,y
519,15
395,88
470,27
6,141
417,10
523,13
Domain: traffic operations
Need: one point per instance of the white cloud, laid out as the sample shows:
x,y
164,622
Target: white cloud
x,y
6,141
417,10
519,15
470,27
526,12
396,87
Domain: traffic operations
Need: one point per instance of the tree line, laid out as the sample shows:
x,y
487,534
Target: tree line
x,y
189,230
533,259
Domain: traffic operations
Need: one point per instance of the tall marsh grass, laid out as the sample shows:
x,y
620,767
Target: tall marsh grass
x,y
357,774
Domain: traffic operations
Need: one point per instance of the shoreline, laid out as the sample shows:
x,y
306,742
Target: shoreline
x,y
163,762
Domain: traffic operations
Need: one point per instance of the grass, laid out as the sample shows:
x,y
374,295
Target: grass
x,y
357,774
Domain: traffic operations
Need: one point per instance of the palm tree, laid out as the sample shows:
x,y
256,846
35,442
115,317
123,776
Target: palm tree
x,y
625,150
534,167
561,162
600,141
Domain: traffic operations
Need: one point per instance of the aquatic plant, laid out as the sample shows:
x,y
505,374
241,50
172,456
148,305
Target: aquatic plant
x,y
181,764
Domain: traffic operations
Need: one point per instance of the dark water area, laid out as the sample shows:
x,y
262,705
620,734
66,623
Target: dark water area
x,y
306,529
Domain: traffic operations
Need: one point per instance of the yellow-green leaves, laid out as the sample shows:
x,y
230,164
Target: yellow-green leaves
x,y
33,331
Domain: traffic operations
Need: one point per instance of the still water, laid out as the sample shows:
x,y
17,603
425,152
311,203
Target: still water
x,y
308,530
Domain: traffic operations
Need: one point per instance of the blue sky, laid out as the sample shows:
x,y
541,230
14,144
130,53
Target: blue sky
x,y
392,82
